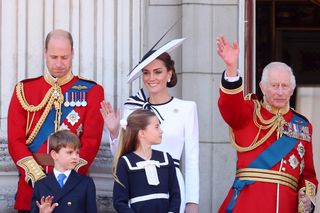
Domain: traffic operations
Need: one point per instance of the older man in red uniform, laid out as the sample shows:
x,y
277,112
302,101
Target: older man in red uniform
x,y
275,171
40,106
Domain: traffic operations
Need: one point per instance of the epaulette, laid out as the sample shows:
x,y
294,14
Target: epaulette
x,y
250,96
300,115
31,79
86,79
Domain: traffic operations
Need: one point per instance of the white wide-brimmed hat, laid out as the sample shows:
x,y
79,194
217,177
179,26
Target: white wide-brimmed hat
x,y
150,56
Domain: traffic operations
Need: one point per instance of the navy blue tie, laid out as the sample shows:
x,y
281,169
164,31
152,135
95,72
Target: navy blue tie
x,y
61,178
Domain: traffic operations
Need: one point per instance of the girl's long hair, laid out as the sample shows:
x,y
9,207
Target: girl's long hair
x,y
129,141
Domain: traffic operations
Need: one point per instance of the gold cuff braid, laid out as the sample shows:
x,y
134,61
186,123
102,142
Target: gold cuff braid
x,y
32,169
81,163
310,192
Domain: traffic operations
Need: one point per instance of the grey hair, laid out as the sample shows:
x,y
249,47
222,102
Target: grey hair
x,y
280,67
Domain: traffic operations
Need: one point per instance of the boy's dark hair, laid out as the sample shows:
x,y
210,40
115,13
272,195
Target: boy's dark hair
x,y
63,138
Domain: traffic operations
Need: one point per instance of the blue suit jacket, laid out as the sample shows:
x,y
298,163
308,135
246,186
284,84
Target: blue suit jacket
x,y
78,194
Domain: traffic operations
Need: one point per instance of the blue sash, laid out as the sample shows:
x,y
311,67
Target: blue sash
x,y
267,159
48,125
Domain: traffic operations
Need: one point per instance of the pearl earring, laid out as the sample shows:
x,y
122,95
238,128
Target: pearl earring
x,y
169,80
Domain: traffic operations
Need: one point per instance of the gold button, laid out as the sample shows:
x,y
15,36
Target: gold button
x,y
284,161
69,204
283,169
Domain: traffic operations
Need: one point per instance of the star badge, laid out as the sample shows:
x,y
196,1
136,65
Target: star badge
x,y
293,161
73,117
301,150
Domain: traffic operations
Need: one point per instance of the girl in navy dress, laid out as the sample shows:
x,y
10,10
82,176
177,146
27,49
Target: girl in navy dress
x,y
145,179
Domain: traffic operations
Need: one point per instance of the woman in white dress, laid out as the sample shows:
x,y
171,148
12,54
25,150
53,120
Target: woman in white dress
x,y
179,121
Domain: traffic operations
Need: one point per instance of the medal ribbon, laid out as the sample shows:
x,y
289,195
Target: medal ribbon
x,y
48,126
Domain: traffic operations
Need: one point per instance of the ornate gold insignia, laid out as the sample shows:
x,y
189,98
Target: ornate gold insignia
x,y
79,87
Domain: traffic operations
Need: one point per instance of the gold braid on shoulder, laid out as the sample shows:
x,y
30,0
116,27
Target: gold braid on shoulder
x,y
275,123
54,97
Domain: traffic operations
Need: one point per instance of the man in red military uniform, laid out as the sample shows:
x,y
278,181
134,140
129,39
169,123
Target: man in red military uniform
x,y
40,106
275,171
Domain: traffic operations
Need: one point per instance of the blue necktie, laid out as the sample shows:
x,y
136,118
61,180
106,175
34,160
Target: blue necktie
x,y
61,177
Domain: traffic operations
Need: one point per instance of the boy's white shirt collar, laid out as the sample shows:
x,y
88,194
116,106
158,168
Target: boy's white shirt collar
x,y
56,173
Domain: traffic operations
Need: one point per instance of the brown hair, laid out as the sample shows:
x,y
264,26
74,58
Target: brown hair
x,y
58,33
63,138
169,63
129,141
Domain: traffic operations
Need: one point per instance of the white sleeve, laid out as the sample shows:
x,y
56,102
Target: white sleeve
x,y
192,155
232,79
114,142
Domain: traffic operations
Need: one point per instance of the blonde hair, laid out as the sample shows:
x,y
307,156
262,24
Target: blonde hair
x,y
129,141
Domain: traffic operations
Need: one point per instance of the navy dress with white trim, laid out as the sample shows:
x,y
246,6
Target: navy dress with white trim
x,y
143,192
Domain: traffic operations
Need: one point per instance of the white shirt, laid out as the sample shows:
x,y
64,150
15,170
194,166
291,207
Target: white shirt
x,y
57,173
232,79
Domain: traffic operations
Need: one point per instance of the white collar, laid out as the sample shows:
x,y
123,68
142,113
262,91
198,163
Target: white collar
x,y
56,173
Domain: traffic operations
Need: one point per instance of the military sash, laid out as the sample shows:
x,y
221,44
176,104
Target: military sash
x,y
268,158
73,97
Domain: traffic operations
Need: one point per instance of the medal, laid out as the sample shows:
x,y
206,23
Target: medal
x,y
66,103
297,131
72,103
78,103
83,102
301,150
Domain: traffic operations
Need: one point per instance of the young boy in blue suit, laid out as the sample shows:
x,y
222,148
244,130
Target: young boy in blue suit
x,y
64,190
